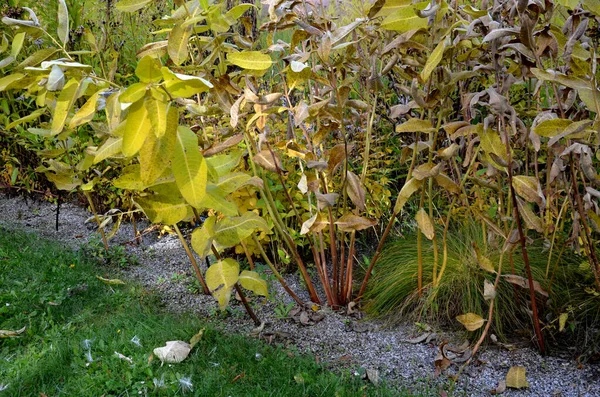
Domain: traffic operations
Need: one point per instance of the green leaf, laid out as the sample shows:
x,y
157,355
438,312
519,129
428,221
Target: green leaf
x,y
189,167
251,60
252,281
434,59
37,57
183,85
178,42
63,22
137,129
86,112
63,105
156,153
148,70
221,278
131,5
231,231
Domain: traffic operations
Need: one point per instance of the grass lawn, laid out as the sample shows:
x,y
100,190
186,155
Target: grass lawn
x,y
75,324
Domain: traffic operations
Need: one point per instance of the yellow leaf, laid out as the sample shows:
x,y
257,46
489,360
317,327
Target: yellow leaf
x,y
109,148
221,278
405,18
550,128
425,224
562,321
165,209
148,70
433,60
137,128
110,281
178,41
470,321
86,112
63,105
156,153
133,93
407,190
483,261
252,60
62,30
189,167
131,5
528,188
516,379
196,338
252,281
415,125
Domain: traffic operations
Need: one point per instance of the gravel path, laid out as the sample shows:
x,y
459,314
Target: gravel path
x,y
339,340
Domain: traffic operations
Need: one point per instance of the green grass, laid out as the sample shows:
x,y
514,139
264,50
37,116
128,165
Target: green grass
x,y
53,291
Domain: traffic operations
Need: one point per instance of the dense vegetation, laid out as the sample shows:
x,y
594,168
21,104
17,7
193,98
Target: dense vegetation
x,y
288,130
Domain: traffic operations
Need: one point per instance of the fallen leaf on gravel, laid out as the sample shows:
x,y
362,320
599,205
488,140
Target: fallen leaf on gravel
x,y
11,334
418,339
500,389
373,376
516,379
174,351
471,321
111,281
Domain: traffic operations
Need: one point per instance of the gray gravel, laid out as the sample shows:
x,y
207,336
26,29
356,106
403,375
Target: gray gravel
x,y
338,340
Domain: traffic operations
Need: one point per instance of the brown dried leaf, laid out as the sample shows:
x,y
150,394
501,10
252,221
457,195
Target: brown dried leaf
x,y
483,261
266,160
531,220
326,200
425,224
528,187
221,146
356,190
351,222
336,155
425,171
524,283
448,184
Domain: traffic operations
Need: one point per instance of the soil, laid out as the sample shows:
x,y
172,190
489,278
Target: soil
x,y
336,339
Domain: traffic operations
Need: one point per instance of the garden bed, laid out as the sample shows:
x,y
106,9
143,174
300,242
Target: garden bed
x,y
339,339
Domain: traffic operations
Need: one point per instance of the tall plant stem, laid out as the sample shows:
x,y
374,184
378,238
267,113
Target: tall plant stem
x,y
97,218
536,320
386,232
248,256
280,228
347,290
249,310
192,260
588,239
276,273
